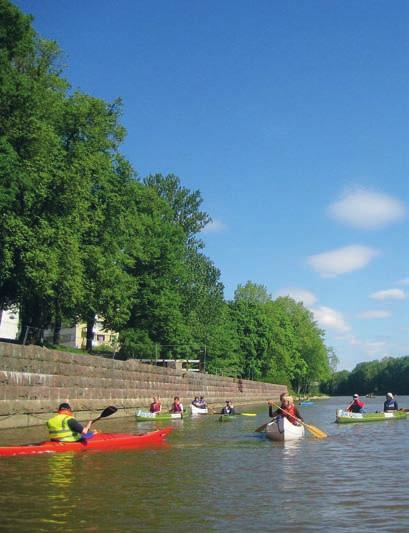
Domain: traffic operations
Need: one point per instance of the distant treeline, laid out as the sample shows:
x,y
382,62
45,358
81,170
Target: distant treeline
x,y
81,236
387,375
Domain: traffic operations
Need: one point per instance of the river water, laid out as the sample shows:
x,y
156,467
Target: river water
x,y
216,476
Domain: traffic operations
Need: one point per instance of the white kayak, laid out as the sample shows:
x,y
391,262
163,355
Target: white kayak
x,y
281,429
198,410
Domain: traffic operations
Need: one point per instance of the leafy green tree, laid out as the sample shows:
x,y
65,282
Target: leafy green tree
x,y
252,293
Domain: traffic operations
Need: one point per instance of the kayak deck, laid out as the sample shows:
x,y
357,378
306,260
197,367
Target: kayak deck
x,y
100,441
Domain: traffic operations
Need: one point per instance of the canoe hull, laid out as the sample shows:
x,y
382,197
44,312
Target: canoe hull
x,y
100,441
145,416
345,417
198,410
281,429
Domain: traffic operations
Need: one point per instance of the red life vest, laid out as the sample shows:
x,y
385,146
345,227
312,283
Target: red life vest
x,y
290,414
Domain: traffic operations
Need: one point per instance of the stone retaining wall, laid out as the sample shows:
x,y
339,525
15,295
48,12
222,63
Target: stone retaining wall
x,y
34,380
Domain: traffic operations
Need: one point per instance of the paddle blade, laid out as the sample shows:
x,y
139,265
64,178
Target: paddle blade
x,y
260,429
110,410
318,433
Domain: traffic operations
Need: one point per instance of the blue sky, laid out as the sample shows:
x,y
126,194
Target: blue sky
x,y
291,118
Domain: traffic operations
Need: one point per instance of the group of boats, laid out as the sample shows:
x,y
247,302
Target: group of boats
x,y
279,429
142,416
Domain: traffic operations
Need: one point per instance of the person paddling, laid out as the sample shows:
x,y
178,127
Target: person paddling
x,y
155,406
177,406
290,411
277,412
228,409
390,403
196,402
63,427
357,405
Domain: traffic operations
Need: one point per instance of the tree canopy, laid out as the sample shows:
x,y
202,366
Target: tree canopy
x,y
82,236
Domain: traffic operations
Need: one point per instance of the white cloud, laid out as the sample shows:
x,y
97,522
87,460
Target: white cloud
x,y
215,226
404,281
299,295
389,294
331,319
336,262
367,315
367,209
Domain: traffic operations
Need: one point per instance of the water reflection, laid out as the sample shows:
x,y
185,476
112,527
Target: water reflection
x,y
61,480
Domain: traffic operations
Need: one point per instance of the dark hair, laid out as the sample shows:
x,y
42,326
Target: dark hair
x,y
64,405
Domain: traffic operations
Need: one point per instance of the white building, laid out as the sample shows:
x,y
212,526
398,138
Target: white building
x,y
9,324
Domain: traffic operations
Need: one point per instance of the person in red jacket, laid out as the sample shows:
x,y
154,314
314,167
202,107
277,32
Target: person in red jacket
x,y
357,405
287,409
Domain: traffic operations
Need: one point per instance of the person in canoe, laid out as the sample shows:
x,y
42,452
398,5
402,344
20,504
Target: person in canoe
x,y
202,403
196,402
63,427
276,412
228,409
390,403
290,411
155,406
357,405
177,406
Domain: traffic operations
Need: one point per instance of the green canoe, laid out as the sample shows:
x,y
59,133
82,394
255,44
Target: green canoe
x,y
144,416
346,417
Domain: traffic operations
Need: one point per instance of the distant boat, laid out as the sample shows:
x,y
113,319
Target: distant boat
x,y
371,395
306,402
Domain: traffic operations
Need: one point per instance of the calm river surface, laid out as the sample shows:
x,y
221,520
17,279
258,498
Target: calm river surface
x,y
218,477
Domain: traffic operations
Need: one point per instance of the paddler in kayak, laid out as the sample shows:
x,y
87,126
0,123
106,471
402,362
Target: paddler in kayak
x,y
63,427
228,409
390,404
357,405
177,406
155,406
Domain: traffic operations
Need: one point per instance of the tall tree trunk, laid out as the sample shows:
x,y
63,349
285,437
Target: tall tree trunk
x,y
90,333
57,326
34,319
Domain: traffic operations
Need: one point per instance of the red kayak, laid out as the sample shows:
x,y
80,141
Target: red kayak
x,y
100,441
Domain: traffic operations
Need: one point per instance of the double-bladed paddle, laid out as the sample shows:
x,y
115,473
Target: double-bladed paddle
x,y
108,411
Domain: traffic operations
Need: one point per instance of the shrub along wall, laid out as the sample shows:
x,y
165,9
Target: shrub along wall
x,y
34,380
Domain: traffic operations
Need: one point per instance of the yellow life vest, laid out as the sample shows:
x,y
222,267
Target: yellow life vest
x,y
59,429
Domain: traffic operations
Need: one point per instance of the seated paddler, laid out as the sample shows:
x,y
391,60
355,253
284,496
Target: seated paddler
x,y
357,405
390,404
274,413
63,427
228,409
290,411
